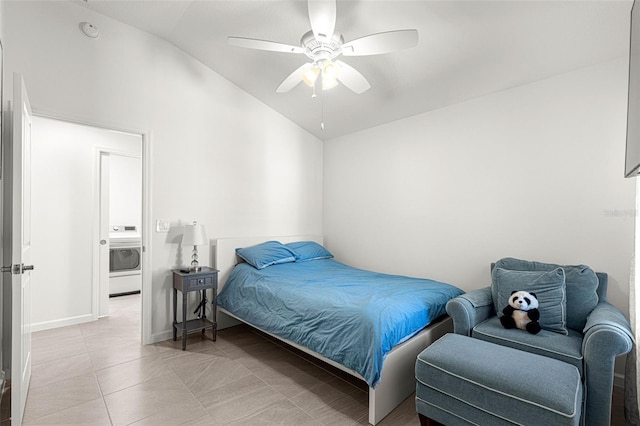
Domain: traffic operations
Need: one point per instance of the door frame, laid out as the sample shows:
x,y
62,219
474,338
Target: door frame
x,y
98,223
147,229
100,255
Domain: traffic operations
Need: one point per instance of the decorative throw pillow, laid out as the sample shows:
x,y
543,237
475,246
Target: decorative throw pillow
x,y
266,254
309,250
549,288
581,287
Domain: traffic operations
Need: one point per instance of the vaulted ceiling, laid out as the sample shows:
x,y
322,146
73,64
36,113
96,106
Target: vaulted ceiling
x,y
466,49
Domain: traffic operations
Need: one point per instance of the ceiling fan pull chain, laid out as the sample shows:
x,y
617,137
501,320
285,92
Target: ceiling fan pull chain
x,y
322,113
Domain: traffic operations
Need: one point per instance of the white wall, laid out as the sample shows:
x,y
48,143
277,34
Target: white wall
x,y
64,193
534,172
125,190
218,155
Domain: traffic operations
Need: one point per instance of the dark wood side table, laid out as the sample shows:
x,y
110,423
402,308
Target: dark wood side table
x,y
185,281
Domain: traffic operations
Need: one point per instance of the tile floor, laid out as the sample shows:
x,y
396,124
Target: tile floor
x,y
98,374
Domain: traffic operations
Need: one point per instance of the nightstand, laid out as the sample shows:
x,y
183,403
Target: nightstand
x,y
186,281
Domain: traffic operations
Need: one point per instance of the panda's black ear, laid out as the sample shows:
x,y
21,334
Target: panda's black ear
x,y
533,294
514,291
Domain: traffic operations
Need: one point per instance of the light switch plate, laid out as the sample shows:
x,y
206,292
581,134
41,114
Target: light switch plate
x,y
162,226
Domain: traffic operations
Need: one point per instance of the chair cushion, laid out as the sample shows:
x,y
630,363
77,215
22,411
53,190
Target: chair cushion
x,y
482,383
567,348
581,287
549,289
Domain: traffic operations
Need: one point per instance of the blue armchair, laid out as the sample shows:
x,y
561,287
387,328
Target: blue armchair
x,y
595,335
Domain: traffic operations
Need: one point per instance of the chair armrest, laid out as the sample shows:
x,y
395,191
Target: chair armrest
x,y
470,309
607,334
606,318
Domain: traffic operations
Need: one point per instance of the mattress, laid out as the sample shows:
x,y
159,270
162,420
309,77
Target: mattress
x,y
349,315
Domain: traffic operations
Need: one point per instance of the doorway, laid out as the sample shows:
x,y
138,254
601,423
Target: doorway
x,y
66,218
120,205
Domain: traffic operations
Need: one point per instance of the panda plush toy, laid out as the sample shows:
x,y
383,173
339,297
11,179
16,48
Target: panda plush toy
x,y
522,312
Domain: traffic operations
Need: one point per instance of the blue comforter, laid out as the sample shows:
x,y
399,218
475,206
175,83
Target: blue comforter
x,y
351,316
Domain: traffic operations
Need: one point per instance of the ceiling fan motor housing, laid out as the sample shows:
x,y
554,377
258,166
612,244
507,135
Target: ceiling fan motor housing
x,y
320,50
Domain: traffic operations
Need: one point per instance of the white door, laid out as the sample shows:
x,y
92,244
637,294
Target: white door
x,y
18,212
103,267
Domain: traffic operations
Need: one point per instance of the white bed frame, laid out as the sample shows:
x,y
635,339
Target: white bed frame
x,y
397,381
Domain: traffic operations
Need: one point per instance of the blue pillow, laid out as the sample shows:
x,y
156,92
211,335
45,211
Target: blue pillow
x,y
309,250
581,287
266,254
549,287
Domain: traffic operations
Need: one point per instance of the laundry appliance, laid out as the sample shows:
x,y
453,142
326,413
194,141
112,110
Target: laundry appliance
x,y
125,260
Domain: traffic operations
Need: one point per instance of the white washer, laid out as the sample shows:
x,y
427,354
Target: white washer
x,y
125,260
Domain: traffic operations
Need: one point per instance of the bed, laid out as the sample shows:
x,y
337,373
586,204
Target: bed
x,y
368,324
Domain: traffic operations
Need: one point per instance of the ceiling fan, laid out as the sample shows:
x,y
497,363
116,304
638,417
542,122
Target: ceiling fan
x,y
322,45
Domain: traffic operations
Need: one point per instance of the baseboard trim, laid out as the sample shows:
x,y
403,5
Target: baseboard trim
x,y
47,325
163,335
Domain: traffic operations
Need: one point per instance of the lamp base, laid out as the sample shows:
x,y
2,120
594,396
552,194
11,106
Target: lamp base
x,y
194,261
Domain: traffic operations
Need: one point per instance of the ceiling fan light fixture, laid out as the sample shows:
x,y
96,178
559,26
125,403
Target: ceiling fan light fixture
x,y
329,75
329,69
329,83
310,75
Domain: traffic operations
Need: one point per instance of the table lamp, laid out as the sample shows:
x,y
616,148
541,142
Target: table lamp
x,y
194,235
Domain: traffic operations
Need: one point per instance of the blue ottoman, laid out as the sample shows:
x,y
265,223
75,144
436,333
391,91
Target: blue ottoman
x,y
461,380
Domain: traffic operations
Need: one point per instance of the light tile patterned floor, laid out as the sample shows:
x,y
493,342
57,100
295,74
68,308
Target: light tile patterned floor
x,y
99,374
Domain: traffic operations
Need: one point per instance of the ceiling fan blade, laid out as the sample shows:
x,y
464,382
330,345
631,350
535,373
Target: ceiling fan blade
x,y
376,44
253,43
292,80
322,15
351,78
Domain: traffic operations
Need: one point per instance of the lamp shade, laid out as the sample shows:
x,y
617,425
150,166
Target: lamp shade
x,y
194,235
310,74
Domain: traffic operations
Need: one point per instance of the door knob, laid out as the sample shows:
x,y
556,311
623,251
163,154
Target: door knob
x,y
17,269
103,242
